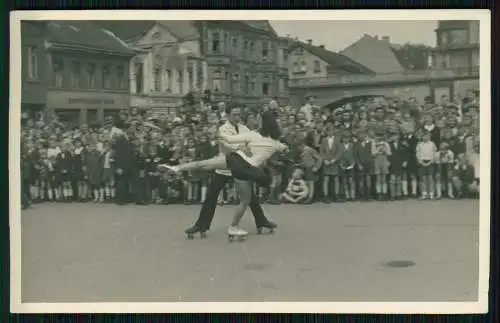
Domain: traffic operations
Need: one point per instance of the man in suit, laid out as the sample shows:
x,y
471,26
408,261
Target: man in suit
x,y
125,160
221,177
330,150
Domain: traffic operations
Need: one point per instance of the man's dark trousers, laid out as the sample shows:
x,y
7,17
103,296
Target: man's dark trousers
x,y
207,212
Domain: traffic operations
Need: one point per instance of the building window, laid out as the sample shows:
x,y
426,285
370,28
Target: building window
x,y
216,42
236,82
459,37
191,80
75,74
122,80
180,81
253,84
296,67
265,50
32,63
245,49
299,51
266,87
58,71
157,80
251,47
235,46
443,39
91,76
139,78
247,83
217,85
444,62
167,83
317,67
106,76
281,85
303,67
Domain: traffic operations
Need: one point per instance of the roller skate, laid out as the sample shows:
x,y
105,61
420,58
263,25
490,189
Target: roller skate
x,y
269,225
193,230
234,233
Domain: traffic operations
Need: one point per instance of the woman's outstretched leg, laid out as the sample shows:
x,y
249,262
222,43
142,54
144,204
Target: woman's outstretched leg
x,y
218,162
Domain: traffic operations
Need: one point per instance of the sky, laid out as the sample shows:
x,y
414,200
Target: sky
x,y
337,35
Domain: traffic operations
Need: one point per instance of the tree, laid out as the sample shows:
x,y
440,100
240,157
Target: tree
x,y
413,57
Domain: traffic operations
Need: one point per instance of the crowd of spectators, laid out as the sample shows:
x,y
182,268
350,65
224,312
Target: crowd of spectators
x,y
373,149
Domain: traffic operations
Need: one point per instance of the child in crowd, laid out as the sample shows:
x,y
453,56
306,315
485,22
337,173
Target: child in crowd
x,y
347,162
108,173
330,151
94,169
380,152
364,163
444,161
153,175
297,190
398,160
425,153
311,161
464,181
64,171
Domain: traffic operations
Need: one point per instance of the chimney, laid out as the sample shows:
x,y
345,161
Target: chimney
x,y
310,41
387,39
322,46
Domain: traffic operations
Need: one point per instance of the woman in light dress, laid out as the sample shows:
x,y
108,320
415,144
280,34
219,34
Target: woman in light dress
x,y
245,169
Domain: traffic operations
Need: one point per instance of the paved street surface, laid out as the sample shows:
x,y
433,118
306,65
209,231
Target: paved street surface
x,y
337,252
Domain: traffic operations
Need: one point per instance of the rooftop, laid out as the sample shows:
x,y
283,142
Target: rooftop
x,y
376,54
84,33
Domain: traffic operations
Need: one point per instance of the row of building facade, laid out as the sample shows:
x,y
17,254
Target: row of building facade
x,y
369,67
85,70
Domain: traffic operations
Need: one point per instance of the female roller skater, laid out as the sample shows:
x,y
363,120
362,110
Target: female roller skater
x,y
242,167
245,170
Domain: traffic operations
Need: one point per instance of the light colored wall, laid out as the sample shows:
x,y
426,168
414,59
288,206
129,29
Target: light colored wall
x,y
309,60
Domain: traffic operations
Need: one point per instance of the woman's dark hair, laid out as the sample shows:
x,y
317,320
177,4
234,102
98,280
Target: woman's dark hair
x,y
270,127
120,123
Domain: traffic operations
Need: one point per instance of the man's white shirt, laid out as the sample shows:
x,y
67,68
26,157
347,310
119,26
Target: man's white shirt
x,y
228,129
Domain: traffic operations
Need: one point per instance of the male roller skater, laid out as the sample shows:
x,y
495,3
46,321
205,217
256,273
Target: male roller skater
x,y
221,177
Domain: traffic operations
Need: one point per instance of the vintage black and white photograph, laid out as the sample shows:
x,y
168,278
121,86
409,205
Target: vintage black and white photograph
x,y
253,165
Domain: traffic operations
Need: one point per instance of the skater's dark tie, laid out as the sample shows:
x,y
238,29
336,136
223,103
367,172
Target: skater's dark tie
x,y
237,128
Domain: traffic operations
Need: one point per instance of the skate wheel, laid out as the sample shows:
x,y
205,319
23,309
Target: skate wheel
x,y
190,237
203,235
271,230
259,230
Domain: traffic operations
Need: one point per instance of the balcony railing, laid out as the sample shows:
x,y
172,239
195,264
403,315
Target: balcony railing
x,y
408,76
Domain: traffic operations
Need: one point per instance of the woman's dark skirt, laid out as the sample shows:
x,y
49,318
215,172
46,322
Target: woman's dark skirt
x,y
244,171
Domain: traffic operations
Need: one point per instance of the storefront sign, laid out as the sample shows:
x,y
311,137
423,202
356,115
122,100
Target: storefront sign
x,y
267,68
219,60
166,102
86,100
90,101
